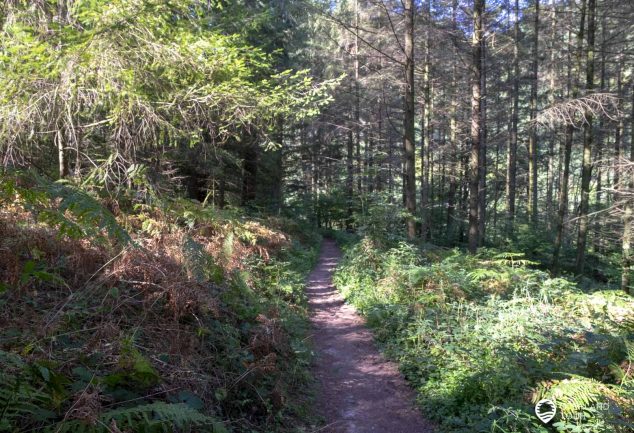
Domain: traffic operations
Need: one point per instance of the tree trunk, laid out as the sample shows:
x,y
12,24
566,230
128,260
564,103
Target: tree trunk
x,y
409,149
278,171
532,138
316,174
380,145
349,177
390,167
464,199
482,187
572,87
222,188
511,173
249,173
453,138
425,133
620,126
627,280
596,231
61,155
588,137
563,198
357,96
496,170
476,119
550,188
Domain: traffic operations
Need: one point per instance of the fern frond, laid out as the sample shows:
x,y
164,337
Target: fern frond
x,y
21,401
482,274
150,418
69,208
91,217
227,247
513,260
200,265
573,395
196,258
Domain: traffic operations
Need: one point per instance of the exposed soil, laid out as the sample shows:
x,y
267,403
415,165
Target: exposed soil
x,y
359,391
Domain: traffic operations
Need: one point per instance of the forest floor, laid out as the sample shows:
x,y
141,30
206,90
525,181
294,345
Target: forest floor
x,y
359,391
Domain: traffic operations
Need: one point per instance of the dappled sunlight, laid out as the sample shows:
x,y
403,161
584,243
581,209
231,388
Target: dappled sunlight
x,y
317,216
510,335
357,386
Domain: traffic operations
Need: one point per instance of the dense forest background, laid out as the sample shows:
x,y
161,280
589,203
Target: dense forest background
x,y
491,124
168,168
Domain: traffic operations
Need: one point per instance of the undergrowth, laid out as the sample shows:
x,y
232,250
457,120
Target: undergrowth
x,y
157,316
483,338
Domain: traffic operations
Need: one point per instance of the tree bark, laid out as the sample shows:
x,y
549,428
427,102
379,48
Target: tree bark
x,y
550,187
349,177
409,149
453,138
588,137
620,126
357,98
572,87
532,138
482,159
563,198
476,119
62,161
596,230
278,171
511,173
627,279
425,132
249,173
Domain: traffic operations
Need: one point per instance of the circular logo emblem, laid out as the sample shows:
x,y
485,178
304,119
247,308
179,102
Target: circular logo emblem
x,y
545,410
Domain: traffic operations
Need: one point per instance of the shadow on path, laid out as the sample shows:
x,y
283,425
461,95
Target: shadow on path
x,y
358,390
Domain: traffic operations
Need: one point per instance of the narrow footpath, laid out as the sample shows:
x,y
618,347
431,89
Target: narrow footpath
x,y
359,391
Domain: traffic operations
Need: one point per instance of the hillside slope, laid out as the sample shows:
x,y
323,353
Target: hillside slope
x,y
170,317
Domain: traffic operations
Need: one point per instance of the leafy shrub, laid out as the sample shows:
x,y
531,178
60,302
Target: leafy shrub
x,y
483,337
381,220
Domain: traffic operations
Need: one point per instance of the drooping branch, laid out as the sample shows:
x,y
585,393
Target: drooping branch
x,y
576,111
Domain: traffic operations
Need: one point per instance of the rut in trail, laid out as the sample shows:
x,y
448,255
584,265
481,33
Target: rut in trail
x,y
359,391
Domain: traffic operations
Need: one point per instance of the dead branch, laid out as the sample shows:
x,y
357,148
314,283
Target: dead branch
x,y
576,111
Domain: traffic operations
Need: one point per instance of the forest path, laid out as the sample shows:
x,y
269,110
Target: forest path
x,y
359,391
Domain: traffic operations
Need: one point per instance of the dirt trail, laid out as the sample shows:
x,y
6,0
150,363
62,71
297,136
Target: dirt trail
x,y
358,390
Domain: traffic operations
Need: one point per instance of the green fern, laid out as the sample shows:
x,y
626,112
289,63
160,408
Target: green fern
x,y
512,259
227,247
483,274
574,394
21,402
22,405
60,204
158,417
90,217
199,264
623,374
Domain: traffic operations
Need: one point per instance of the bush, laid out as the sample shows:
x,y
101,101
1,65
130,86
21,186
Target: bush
x,y
482,338
190,318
